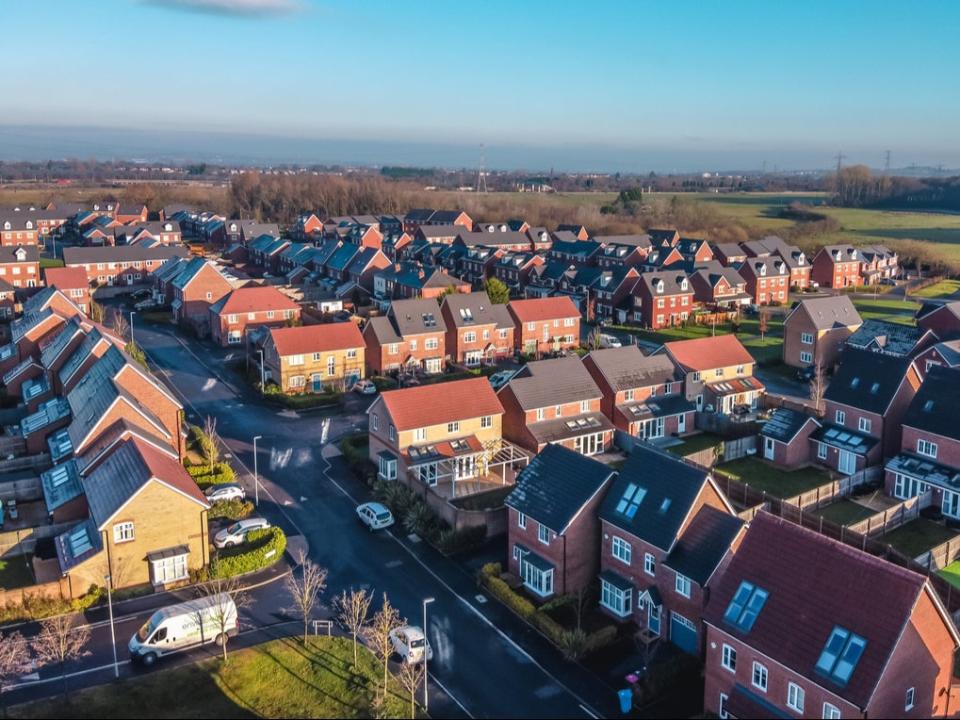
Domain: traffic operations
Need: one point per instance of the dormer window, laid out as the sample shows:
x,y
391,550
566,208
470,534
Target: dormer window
x,y
29,225
21,254
853,254
7,225
836,256
658,286
683,284
763,270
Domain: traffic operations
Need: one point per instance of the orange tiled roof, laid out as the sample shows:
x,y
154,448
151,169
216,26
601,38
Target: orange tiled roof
x,y
543,308
709,352
441,403
316,338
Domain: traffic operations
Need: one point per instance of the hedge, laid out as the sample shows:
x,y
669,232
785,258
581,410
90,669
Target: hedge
x,y
37,607
234,509
262,549
222,473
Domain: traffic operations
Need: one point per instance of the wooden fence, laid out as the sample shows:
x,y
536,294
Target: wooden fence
x,y
749,497
37,462
23,490
893,517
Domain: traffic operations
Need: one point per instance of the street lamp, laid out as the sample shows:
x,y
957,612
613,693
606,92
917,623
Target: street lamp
x,y
256,476
426,644
132,313
263,387
113,637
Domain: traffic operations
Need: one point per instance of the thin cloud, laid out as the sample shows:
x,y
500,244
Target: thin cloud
x,y
233,8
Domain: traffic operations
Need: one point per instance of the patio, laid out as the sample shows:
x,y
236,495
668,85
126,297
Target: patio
x,y
467,467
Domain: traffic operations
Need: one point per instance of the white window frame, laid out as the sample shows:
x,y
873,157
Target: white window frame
x,y
728,658
806,338
649,564
617,601
806,357
543,534
795,697
759,677
840,417
621,550
124,532
521,520
830,711
864,424
926,448
909,699
683,585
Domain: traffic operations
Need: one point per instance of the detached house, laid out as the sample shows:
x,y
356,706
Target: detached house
x,y
667,534
800,625
249,307
411,337
196,286
553,528
864,406
816,329
17,227
477,330
768,280
714,284
72,282
545,325
642,395
662,299
555,401
717,372
944,320
20,265
837,266
310,358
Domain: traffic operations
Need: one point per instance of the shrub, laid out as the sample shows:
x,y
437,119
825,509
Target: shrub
x,y
222,473
419,518
600,638
234,509
492,569
262,549
549,627
572,643
37,607
516,602
453,541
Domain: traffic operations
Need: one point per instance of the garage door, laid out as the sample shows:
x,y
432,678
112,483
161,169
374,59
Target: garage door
x,y
683,633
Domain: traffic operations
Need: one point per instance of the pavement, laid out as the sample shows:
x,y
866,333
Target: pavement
x,y
487,663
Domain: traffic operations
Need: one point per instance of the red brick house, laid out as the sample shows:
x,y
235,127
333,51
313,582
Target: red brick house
x,y
946,354
879,263
667,534
642,395
477,330
121,265
837,266
717,373
198,285
20,265
555,401
662,299
795,629
421,216
714,284
943,320
72,282
864,406
17,228
785,438
553,530
514,268
249,307
929,457
579,231
816,329
307,225
8,295
768,280
729,254
545,325
411,337
133,214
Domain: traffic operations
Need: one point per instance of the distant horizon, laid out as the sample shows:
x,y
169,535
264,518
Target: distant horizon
x,y
68,142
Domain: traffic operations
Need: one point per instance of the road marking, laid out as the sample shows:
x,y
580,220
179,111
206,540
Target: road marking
x,y
452,696
394,564
589,712
480,599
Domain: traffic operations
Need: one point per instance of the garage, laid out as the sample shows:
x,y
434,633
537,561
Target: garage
x,y
683,633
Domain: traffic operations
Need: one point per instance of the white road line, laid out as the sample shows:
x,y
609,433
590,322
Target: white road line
x,y
450,695
589,712
484,618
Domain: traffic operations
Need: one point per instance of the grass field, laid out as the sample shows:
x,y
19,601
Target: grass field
x,y
891,309
918,536
278,679
845,512
951,573
942,289
774,481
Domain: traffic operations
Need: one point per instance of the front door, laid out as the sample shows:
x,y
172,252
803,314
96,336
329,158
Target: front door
x,y
653,618
847,462
768,448
700,402
950,506
317,381
681,423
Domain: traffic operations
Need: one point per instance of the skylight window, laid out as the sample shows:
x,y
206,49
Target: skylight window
x,y
746,606
928,406
665,505
841,654
79,542
631,500
874,388
855,383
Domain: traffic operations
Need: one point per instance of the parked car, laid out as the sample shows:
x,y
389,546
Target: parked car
x,y
365,387
410,643
376,516
806,374
499,379
224,492
888,281
236,533
610,341
145,304
185,625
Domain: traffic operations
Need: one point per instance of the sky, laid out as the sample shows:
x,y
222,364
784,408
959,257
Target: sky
x,y
600,85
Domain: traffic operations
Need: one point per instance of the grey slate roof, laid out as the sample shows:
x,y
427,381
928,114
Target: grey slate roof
x,y
61,484
867,380
60,342
884,336
120,253
830,312
703,544
627,367
26,322
77,544
545,383
669,487
80,354
472,309
417,316
556,485
934,408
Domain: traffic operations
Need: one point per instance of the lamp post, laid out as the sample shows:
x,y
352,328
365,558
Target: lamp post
x,y
426,644
256,476
132,313
113,637
263,387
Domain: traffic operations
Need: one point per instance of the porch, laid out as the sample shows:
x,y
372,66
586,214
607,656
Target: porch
x,y
460,468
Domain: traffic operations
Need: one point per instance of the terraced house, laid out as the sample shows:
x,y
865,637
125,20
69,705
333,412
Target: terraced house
x,y
122,265
410,337
250,307
312,358
816,329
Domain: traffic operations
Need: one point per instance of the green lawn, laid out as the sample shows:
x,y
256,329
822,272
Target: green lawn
x,y
951,573
845,512
780,483
918,536
942,289
279,679
15,572
890,309
46,262
694,444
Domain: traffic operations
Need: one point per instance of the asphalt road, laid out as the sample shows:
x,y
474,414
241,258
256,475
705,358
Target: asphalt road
x,y
485,662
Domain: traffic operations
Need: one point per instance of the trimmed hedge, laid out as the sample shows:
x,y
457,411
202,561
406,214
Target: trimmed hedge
x,y
262,549
36,607
222,473
235,509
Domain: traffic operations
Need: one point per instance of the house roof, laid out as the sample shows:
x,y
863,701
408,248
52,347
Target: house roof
x,y
545,383
253,299
625,368
8,253
950,308
933,407
556,485
307,339
472,309
550,308
709,352
785,423
440,403
112,484
191,269
66,278
120,253
416,316
383,330
884,336
704,543
79,543
867,380
653,495
815,584
830,312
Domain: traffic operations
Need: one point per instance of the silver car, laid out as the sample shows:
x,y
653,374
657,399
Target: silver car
x,y
236,533
225,492
375,516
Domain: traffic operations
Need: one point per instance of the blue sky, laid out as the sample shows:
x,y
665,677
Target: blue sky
x,y
788,82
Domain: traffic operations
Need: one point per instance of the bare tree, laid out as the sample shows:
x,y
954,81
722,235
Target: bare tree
x,y
384,622
120,325
306,589
97,313
763,322
61,639
13,657
352,609
226,597
818,386
411,675
210,447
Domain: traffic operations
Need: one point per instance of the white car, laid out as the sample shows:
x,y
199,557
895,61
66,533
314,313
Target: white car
x,y
499,379
236,533
365,387
609,341
375,516
225,492
410,643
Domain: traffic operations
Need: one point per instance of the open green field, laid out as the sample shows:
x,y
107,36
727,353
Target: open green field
x,y
279,679
891,309
940,290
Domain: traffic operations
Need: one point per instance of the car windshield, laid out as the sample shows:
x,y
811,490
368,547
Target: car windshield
x,y
416,644
383,516
233,529
144,632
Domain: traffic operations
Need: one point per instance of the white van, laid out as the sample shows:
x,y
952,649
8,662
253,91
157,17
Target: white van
x,y
610,341
190,624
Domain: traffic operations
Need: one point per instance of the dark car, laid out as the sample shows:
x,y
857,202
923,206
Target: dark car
x,y
806,374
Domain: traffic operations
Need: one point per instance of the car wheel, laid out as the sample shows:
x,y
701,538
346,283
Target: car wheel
x,y
149,660
220,640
